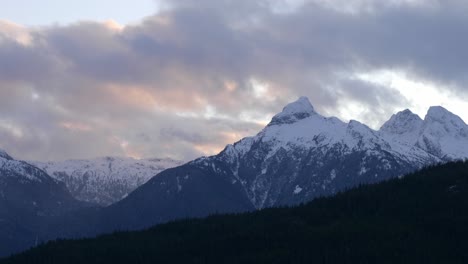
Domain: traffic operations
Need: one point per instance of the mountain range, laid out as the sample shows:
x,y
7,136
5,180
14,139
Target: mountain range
x,y
299,156
104,181
33,195
418,219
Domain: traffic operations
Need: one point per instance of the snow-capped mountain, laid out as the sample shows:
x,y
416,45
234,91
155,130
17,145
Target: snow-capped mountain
x,y
28,198
441,133
301,155
105,180
298,156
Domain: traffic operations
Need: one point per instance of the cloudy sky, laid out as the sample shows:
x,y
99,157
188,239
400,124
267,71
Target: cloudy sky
x,y
182,78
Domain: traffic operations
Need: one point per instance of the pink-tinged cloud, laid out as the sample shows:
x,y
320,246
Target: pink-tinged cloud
x,y
186,82
13,31
76,126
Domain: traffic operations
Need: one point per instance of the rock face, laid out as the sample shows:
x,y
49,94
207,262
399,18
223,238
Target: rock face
x,y
106,180
28,199
298,156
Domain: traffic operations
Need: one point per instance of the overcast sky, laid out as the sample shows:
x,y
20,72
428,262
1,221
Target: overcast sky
x,y
183,78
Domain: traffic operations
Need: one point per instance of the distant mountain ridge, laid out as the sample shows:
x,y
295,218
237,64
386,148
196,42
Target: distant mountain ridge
x,y
105,180
34,196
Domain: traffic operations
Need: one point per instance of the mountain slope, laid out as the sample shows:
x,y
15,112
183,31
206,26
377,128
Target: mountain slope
x,y
28,198
185,191
420,218
300,155
106,180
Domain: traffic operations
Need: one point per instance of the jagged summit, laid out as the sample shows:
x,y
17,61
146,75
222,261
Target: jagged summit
x,y
441,134
359,127
297,110
4,154
437,110
405,112
402,122
301,105
442,115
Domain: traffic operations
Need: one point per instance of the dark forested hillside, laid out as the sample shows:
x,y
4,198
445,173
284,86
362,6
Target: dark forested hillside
x,y
421,218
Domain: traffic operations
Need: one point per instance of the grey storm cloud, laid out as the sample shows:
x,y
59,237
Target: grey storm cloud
x,y
200,74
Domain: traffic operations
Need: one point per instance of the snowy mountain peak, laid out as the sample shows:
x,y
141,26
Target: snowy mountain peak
x,y
402,122
444,134
301,105
359,127
442,115
362,135
297,110
5,155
